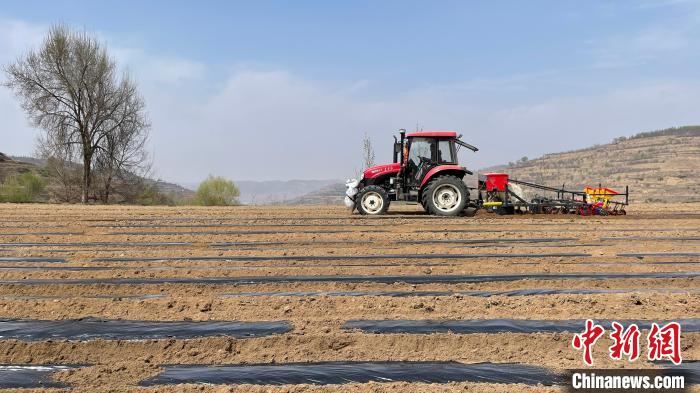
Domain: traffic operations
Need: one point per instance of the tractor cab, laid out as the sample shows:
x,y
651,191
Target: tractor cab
x,y
425,170
427,150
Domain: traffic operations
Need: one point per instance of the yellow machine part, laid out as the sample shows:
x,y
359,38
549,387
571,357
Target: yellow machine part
x,y
603,195
488,204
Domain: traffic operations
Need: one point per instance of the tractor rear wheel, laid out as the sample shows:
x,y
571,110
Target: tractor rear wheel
x,y
445,196
372,200
422,203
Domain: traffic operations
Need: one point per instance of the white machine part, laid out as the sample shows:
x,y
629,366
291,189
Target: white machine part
x,y
349,200
516,190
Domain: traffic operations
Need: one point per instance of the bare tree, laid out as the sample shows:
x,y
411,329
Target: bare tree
x,y
122,153
70,89
367,152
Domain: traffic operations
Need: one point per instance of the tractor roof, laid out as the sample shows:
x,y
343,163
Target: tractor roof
x,y
434,134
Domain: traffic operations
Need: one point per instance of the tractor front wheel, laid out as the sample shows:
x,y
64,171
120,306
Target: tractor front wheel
x,y
445,196
372,200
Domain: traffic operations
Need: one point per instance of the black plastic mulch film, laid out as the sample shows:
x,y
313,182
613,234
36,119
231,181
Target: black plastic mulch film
x,y
422,279
97,244
30,376
661,238
227,225
362,372
340,257
109,329
466,326
189,267
658,254
497,240
32,260
324,231
36,376
355,372
514,292
41,234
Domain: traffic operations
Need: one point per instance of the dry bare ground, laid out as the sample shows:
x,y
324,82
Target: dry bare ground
x,y
271,242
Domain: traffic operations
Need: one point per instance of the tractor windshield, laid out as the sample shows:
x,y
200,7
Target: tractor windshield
x,y
421,148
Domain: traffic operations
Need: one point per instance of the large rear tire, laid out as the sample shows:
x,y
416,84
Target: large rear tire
x,y
445,196
422,203
372,200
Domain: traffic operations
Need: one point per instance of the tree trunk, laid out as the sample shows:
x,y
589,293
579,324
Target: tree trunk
x,y
108,185
86,178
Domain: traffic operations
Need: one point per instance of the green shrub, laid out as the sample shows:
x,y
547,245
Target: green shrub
x,y
22,188
217,191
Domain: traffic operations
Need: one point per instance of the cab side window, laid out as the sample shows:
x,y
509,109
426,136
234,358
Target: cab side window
x,y
445,153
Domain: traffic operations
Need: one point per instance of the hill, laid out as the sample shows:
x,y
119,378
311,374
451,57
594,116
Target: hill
x,y
15,165
174,191
658,166
10,166
252,192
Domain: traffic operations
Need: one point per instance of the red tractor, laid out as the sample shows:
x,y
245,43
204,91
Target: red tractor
x,y
425,170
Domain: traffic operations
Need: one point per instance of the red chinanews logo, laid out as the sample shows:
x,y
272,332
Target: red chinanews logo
x,y
663,343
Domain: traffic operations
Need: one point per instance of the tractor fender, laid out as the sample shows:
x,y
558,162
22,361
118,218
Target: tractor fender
x,y
455,170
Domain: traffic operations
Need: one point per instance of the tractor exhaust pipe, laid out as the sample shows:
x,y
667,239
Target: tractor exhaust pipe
x,y
396,150
402,132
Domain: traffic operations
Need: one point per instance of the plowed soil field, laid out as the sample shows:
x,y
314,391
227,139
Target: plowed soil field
x,y
320,267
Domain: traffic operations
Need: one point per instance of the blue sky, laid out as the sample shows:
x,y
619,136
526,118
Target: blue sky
x,y
280,90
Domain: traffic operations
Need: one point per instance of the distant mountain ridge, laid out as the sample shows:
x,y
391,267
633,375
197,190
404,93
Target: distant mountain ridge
x,y
278,191
331,194
270,192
